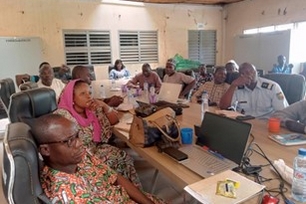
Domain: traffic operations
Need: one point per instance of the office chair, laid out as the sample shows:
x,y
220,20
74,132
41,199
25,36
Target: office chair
x,y
31,103
7,88
21,166
293,85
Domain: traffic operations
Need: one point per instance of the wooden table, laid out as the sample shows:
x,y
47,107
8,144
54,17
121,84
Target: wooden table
x,y
182,176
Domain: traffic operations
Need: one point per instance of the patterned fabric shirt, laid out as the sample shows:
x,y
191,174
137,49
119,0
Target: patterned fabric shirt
x,y
200,79
215,91
93,182
115,74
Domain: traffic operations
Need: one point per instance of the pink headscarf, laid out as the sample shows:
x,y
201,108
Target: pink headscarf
x,y
66,102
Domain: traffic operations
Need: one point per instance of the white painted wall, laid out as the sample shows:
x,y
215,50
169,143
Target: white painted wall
x,y
47,19
258,13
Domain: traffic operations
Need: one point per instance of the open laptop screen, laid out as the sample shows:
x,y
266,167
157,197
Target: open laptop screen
x,y
224,135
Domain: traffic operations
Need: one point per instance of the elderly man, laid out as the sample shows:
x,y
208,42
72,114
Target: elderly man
x,y
46,79
215,89
175,77
72,175
147,76
253,95
82,72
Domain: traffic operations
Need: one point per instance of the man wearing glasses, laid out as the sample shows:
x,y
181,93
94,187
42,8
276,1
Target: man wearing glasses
x,y
71,174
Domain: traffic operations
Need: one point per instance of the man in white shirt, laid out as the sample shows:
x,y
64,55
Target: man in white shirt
x,y
253,95
175,77
46,79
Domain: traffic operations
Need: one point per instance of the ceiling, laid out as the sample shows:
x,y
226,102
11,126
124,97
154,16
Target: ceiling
x,y
204,2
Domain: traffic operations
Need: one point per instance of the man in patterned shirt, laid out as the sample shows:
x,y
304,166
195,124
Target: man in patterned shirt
x,y
72,175
215,89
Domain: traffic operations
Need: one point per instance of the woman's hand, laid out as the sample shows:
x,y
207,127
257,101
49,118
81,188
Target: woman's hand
x,y
95,103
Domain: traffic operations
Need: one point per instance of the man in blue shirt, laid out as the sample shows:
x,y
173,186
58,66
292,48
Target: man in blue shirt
x,y
282,67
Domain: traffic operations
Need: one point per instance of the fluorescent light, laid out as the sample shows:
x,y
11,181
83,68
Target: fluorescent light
x,y
121,2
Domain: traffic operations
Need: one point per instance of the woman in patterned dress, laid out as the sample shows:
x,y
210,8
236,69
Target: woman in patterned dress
x,y
95,118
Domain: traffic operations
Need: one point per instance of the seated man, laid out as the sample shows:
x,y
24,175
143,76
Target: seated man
x,y
147,76
175,77
47,79
253,95
82,72
282,67
293,117
232,71
72,175
215,89
202,76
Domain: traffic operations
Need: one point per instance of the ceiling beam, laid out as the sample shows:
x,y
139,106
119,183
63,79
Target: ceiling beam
x,y
205,2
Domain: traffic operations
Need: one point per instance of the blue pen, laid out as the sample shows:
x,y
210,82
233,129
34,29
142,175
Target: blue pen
x,y
216,154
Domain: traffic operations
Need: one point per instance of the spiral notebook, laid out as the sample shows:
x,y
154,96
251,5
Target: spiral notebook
x,y
289,139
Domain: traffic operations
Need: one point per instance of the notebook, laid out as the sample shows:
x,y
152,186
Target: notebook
x,y
220,145
289,139
169,92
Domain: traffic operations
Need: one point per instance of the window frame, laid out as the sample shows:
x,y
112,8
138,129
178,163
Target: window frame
x,y
89,52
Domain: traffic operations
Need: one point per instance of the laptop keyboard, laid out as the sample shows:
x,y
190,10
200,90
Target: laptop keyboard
x,y
203,163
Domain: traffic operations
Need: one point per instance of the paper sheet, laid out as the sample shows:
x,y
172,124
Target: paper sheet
x,y
205,190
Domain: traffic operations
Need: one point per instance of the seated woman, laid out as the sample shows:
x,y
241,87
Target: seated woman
x,y
119,71
94,119
215,88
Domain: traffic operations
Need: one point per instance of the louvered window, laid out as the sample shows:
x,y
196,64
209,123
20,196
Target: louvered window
x,y
87,47
138,46
202,46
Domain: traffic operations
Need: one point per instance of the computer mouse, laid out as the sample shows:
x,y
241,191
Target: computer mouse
x,y
268,199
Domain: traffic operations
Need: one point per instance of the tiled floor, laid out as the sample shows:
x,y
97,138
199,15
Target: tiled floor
x,y
164,188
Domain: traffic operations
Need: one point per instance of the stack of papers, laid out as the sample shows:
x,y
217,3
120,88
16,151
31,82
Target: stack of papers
x,y
205,190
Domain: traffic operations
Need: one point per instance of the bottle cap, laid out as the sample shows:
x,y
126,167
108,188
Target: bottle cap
x,y
302,151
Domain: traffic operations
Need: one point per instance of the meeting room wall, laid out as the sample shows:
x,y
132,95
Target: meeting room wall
x,y
47,19
260,13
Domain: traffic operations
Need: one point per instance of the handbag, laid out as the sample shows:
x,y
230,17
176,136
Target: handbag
x,y
160,128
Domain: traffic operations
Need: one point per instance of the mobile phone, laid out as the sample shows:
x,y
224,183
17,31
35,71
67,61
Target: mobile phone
x,y
245,117
175,153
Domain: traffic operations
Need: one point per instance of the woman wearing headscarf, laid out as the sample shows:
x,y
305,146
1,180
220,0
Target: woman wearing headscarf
x,y
95,119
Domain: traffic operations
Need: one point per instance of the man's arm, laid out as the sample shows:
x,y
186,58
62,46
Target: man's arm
x,y
294,112
158,83
226,99
133,192
132,83
187,89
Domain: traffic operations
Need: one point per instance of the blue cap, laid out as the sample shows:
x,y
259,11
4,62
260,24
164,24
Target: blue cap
x,y
302,151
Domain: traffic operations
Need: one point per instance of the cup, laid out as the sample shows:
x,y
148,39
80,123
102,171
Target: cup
x,y
187,135
274,125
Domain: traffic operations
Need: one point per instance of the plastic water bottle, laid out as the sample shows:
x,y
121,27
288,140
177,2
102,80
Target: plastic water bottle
x,y
113,85
145,86
299,176
204,105
102,91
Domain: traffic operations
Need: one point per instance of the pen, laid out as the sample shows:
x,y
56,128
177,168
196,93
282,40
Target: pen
x,y
216,154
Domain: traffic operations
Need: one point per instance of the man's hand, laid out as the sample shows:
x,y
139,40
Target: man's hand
x,y
114,101
242,80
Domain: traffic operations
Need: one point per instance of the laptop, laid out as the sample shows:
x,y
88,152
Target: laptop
x,y
169,92
220,145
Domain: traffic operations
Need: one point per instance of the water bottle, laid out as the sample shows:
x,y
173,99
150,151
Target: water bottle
x,y
204,105
299,176
145,86
102,91
113,85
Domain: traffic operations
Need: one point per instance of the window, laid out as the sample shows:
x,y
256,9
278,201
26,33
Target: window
x,y
87,47
138,46
202,46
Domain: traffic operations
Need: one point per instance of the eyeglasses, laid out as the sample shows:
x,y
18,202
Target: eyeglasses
x,y
70,141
